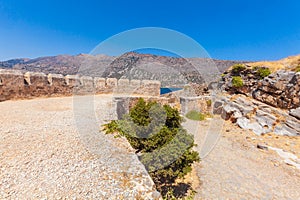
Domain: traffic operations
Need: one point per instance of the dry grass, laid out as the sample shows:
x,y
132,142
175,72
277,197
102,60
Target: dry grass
x,y
290,63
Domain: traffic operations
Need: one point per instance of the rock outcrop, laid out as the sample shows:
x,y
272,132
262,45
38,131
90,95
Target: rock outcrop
x,y
280,89
256,116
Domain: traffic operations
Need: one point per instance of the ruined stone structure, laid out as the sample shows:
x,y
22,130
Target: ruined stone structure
x,y
252,115
201,104
17,85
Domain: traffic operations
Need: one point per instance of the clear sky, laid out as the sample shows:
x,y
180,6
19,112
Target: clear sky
x,y
228,29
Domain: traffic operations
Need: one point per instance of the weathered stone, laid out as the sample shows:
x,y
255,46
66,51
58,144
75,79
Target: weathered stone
x,y
217,108
199,104
258,117
263,147
280,89
295,113
122,106
99,84
245,123
14,85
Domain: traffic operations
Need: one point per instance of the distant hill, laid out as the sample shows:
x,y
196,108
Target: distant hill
x,y
130,65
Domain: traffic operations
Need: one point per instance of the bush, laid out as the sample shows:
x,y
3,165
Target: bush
x,y
263,72
297,69
156,133
237,68
195,115
237,81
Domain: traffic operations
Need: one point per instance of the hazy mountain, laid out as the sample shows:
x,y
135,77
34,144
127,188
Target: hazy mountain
x,y
169,70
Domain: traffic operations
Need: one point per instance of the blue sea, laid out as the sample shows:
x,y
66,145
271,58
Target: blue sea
x,y
168,90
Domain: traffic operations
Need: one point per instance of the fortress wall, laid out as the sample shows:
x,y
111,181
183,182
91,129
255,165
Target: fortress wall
x,y
58,84
11,84
18,85
149,88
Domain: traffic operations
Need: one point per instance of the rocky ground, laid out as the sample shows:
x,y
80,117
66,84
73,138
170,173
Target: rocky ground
x,y
236,169
52,149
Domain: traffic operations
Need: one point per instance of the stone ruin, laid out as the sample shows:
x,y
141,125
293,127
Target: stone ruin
x,y
18,85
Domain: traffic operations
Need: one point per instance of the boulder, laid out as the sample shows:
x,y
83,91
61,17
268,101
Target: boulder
x,y
295,113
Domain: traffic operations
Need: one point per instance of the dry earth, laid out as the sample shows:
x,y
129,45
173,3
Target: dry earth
x,y
48,151
236,169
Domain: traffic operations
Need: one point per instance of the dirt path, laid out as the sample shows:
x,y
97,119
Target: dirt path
x,y
236,169
45,155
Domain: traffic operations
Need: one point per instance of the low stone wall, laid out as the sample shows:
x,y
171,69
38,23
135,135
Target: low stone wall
x,y
259,117
186,104
201,104
17,85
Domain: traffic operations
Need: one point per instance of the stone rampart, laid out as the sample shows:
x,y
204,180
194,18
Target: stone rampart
x,y
18,85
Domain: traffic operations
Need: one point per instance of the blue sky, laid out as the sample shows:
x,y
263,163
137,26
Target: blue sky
x,y
232,29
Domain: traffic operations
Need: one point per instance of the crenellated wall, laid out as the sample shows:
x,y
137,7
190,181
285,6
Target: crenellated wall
x,y
18,85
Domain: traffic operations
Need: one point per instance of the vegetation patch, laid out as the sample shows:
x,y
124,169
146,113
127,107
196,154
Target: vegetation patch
x,y
195,115
263,72
297,69
209,103
237,68
163,145
237,81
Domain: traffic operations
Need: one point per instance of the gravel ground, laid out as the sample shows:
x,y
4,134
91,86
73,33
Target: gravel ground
x,y
48,152
52,149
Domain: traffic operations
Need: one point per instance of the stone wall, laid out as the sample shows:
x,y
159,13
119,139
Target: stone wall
x,y
185,104
17,85
201,104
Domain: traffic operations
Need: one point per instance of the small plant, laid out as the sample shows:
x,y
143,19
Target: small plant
x,y
237,81
263,72
297,69
208,103
237,68
195,115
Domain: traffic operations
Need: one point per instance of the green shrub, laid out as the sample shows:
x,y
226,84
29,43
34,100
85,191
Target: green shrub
x,y
237,68
263,72
156,133
195,115
237,81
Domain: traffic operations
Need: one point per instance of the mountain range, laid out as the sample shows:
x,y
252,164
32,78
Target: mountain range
x,y
132,65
